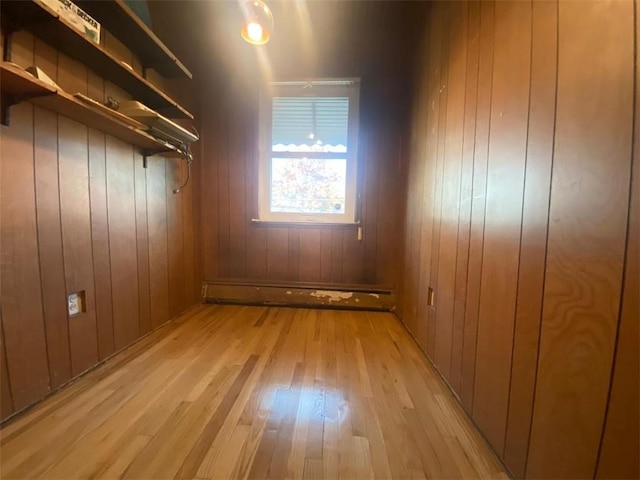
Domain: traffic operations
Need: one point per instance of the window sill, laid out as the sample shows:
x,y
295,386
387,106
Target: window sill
x,y
276,223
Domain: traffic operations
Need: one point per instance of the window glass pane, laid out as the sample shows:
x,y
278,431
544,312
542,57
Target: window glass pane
x,y
308,185
310,124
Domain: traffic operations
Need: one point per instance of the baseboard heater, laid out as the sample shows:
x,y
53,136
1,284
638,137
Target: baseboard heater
x,y
300,295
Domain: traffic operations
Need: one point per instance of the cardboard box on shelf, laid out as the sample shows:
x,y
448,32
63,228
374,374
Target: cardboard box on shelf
x,y
76,17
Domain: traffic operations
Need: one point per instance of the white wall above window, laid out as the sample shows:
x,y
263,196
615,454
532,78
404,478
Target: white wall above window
x,y
308,151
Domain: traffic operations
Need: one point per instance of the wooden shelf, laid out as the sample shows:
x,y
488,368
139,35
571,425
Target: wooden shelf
x,y
18,85
121,21
46,24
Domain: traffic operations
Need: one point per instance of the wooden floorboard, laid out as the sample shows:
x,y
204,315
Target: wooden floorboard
x,y
232,391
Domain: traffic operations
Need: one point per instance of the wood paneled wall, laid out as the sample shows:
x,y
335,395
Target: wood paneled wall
x,y
80,213
370,40
236,248
517,216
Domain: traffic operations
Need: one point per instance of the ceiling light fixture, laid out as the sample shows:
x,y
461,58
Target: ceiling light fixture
x,y
258,22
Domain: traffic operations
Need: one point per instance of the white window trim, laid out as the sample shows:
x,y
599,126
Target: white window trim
x,y
349,87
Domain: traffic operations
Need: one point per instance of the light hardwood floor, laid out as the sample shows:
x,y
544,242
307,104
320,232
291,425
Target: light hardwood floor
x,y
252,392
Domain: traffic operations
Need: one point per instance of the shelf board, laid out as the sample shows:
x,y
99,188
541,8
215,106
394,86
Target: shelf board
x,y
45,24
121,21
21,86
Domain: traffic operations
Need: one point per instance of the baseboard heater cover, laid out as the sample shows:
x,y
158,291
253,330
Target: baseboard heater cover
x,y
297,296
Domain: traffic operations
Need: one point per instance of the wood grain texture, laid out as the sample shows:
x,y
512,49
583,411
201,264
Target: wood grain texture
x,y
22,314
6,401
478,203
45,128
621,436
439,161
431,99
534,238
21,295
158,251
142,243
466,195
50,246
449,210
237,249
100,242
588,219
189,249
62,226
222,394
497,248
122,241
75,213
175,237
503,218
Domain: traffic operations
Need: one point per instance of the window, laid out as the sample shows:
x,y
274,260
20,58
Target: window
x,y
308,151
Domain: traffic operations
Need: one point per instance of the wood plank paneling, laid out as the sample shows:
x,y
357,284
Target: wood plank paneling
x,y
449,211
191,283
158,252
222,216
439,161
426,314
337,252
50,246
478,203
175,237
293,249
325,256
588,218
61,228
389,224
142,243
277,253
370,172
49,230
309,250
209,194
122,241
240,115
235,248
22,315
466,195
6,402
503,216
100,242
504,279
620,449
534,238
76,240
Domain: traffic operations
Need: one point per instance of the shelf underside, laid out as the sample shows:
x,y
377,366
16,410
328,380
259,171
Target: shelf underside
x,y
18,85
46,25
121,21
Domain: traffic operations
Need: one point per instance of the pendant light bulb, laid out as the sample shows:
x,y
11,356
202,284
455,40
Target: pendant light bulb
x,y
257,22
254,31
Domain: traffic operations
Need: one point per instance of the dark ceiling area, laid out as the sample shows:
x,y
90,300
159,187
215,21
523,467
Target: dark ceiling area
x,y
310,38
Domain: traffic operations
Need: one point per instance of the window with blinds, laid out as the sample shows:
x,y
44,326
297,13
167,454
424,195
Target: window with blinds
x,y
308,136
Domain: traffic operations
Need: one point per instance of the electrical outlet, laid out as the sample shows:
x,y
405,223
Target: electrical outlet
x,y
76,303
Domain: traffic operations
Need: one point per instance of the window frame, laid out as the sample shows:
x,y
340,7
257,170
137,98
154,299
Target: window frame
x,y
332,87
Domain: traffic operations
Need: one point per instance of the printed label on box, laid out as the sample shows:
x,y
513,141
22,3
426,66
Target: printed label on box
x,y
76,17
